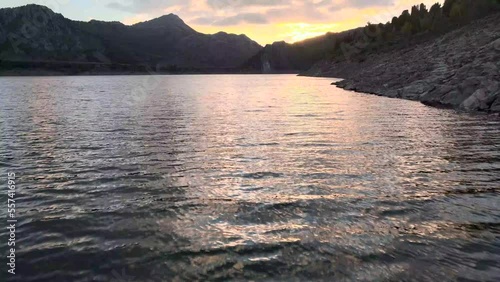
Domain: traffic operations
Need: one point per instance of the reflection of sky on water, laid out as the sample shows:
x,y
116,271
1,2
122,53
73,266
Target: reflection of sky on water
x,y
242,175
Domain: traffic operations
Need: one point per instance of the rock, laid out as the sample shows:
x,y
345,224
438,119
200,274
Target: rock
x,y
479,101
416,89
496,45
350,87
495,106
469,85
454,98
392,94
490,69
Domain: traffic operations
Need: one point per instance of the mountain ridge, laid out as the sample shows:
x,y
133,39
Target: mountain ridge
x,y
36,33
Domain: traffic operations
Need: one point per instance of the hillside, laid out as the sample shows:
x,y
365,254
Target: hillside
x,y
418,25
300,56
458,70
34,33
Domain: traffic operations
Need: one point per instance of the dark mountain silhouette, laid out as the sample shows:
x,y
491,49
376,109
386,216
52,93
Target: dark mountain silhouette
x,y
300,56
34,33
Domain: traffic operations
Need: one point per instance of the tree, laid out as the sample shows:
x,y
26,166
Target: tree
x,y
403,19
458,12
407,28
423,10
435,11
415,19
426,23
395,23
415,12
447,6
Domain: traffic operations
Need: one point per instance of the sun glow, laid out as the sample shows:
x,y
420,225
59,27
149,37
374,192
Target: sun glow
x,y
300,31
289,32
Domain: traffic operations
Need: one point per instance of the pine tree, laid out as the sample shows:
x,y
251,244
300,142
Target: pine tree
x,y
415,19
447,6
435,11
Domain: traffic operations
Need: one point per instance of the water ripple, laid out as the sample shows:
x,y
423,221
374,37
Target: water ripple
x,y
271,178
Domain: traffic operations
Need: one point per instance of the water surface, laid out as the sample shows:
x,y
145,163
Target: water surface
x,y
227,177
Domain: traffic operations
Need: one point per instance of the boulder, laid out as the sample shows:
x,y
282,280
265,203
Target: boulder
x,y
481,100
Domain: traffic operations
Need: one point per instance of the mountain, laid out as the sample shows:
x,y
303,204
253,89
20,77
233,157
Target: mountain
x,y
34,33
284,57
412,27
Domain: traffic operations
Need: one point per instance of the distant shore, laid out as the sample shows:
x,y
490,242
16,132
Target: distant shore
x,y
44,68
27,68
43,72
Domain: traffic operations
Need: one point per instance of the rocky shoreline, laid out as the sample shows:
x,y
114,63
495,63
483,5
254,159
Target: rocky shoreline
x,y
457,70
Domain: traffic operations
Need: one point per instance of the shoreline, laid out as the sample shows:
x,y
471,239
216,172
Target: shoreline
x,y
458,70
344,84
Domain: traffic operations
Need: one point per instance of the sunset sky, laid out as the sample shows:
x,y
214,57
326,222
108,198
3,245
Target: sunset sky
x,y
265,21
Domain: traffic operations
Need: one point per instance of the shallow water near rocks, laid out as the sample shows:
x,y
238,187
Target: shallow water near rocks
x,y
245,177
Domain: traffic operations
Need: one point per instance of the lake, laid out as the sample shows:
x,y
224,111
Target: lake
x,y
244,177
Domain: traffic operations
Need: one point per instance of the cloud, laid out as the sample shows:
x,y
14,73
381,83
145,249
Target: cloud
x,y
252,18
369,3
360,4
146,6
221,4
244,11
307,11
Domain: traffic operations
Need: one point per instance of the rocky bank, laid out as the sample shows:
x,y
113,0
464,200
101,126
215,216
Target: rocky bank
x,y
457,70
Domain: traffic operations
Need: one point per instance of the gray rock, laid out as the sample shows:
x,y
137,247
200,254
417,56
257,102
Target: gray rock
x,y
416,89
481,100
495,106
